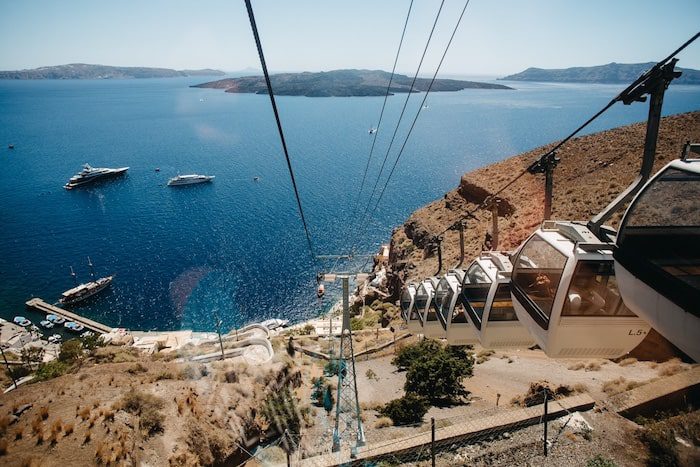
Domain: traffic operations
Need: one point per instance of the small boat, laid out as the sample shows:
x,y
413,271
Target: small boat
x,y
275,323
321,291
10,146
88,289
55,339
87,334
157,169
255,179
372,131
46,324
55,319
35,328
90,174
189,179
21,321
72,326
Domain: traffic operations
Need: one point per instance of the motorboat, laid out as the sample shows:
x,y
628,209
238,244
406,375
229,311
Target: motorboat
x,y
21,321
72,326
91,174
46,324
275,323
87,334
55,319
190,179
55,339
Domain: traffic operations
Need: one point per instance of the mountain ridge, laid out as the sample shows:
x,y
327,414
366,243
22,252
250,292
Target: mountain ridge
x,y
341,83
610,73
90,71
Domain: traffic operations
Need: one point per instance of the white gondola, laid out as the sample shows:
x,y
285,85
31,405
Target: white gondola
x,y
657,259
564,292
458,329
408,294
425,305
485,296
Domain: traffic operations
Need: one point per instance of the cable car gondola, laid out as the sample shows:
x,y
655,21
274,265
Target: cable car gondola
x,y
425,305
485,294
454,322
408,309
657,259
564,292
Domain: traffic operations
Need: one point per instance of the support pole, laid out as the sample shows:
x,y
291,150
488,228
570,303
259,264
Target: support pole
x,y
432,441
461,245
494,225
545,422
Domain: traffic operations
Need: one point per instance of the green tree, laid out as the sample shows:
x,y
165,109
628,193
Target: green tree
x,y
406,410
409,354
32,355
328,400
71,351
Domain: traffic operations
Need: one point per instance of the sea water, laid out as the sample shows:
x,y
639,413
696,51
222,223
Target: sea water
x,y
235,249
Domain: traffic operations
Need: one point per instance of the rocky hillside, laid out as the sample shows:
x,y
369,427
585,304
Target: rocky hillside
x,y
592,171
87,71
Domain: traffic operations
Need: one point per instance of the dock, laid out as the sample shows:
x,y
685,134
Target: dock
x,y
41,306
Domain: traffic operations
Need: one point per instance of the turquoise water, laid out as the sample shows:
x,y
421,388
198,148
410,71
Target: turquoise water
x,y
235,248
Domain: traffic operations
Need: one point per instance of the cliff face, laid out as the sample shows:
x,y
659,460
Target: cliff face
x,y
593,170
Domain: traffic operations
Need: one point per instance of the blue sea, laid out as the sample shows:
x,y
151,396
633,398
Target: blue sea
x,y
236,248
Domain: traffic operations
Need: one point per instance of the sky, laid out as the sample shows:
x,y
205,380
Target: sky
x,y
496,37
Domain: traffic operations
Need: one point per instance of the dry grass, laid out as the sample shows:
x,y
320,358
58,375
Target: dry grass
x,y
68,429
628,361
84,413
57,426
19,433
88,437
37,425
671,367
576,366
618,385
3,447
44,412
593,366
383,422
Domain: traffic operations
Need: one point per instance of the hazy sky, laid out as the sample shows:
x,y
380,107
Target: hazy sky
x,y
497,37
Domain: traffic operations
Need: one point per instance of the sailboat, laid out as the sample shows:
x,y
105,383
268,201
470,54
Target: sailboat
x,y
82,291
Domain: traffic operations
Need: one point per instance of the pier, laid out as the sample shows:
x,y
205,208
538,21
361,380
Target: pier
x,y
41,306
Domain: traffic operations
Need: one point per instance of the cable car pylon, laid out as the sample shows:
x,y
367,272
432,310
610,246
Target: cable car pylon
x,y
348,423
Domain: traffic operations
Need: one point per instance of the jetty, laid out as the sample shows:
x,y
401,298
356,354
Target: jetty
x,y
41,306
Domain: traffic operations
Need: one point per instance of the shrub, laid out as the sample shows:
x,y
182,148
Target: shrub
x,y
32,355
18,371
44,412
137,368
52,369
151,421
662,446
68,429
577,366
290,347
600,461
436,371
383,422
136,402
535,394
3,447
628,361
280,411
328,399
92,342
406,410
164,375
71,351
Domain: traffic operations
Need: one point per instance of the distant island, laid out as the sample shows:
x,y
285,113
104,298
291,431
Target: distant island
x,y
340,83
86,71
612,73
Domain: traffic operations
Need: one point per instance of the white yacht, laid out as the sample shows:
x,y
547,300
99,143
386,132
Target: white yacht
x,y
189,179
90,174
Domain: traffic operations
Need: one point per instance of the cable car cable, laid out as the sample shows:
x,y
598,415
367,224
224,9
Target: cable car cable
x,y
379,123
251,16
625,96
403,110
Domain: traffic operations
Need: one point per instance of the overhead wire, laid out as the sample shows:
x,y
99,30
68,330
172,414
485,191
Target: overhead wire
x,y
379,123
253,25
619,97
403,110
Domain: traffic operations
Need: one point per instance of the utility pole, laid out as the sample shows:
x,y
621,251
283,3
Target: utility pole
x,y
348,424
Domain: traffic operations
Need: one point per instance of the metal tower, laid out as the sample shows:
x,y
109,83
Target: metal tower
x,y
348,424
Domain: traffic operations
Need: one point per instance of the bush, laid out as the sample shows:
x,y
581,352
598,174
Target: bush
x,y
52,369
137,403
280,411
32,355
435,371
662,446
600,461
151,421
71,351
18,371
92,342
406,410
